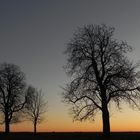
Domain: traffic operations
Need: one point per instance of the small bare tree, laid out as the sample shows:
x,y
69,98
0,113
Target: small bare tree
x,y
35,106
100,73
12,93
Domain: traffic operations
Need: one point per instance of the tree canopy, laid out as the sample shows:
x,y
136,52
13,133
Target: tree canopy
x,y
100,73
12,93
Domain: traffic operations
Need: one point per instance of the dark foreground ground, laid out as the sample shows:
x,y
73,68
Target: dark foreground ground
x,y
70,136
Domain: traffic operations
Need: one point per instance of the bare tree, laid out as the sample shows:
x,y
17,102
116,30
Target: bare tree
x,y
100,73
12,93
35,107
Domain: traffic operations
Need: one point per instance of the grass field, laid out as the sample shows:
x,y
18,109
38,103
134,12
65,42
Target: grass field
x,y
70,136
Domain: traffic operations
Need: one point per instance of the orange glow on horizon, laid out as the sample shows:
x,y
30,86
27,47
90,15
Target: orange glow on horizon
x,y
126,120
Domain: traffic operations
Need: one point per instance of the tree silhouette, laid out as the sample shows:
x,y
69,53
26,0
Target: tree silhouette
x,y
100,73
12,93
35,106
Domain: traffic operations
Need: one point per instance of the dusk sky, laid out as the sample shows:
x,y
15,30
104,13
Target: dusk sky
x,y
34,35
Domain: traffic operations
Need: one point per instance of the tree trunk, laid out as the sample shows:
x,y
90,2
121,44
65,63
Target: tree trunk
x,y
7,126
35,124
7,122
106,119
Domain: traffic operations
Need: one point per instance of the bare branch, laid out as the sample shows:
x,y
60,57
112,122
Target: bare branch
x,y
100,73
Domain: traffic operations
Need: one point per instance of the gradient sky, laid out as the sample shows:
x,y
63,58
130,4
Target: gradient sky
x,y
34,34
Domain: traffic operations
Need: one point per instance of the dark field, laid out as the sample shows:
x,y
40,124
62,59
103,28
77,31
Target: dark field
x,y
70,136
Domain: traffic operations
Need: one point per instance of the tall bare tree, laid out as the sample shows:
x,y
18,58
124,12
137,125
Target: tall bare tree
x,y
12,93
100,73
35,106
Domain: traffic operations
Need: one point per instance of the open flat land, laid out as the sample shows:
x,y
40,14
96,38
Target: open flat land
x,y
70,136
